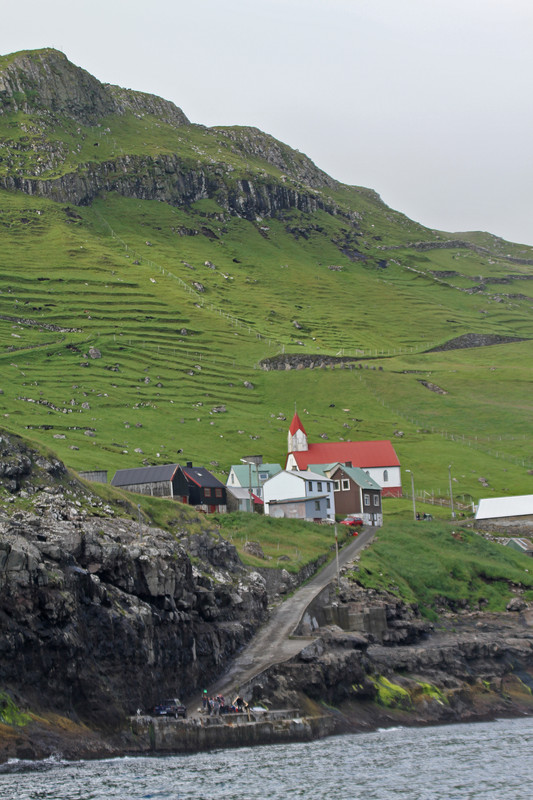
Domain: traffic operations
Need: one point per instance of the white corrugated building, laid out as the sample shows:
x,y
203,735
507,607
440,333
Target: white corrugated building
x,y
506,512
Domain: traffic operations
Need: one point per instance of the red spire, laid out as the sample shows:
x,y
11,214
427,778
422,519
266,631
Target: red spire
x,y
296,425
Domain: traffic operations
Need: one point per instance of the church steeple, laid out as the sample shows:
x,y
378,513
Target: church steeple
x,y
297,437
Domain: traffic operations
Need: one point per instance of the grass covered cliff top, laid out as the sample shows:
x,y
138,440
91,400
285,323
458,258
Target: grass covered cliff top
x,y
444,566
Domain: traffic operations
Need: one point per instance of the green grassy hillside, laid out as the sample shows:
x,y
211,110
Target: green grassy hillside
x,y
184,291
439,569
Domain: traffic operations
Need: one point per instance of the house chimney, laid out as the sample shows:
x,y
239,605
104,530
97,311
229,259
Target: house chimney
x,y
257,460
189,463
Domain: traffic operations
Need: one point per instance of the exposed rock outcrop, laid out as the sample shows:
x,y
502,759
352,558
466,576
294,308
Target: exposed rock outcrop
x,y
288,361
47,80
475,665
173,180
99,615
47,83
475,340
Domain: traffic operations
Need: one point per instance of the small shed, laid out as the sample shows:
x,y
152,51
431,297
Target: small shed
x,y
158,481
94,475
312,509
238,499
524,546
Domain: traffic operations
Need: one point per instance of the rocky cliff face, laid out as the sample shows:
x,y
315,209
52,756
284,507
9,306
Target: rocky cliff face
x,y
48,86
249,141
46,81
473,665
169,179
100,616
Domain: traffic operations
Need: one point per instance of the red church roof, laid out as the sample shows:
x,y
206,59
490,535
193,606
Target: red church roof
x,y
360,454
296,425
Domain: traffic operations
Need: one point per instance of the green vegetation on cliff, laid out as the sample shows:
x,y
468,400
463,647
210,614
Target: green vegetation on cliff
x,y
444,567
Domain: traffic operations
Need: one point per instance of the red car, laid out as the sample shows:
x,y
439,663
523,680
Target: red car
x,y
353,522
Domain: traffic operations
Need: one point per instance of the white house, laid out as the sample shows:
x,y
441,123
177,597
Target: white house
x,y
299,495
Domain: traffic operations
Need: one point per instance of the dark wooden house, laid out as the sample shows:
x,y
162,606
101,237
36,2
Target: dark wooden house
x,y
356,493
198,487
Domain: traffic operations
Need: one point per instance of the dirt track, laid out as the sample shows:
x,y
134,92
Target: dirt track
x,y
273,643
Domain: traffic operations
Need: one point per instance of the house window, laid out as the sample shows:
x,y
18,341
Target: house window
x,y
337,486
328,504
263,476
207,492
317,505
345,485
385,475
218,492
310,486
328,486
232,478
376,500
319,486
367,500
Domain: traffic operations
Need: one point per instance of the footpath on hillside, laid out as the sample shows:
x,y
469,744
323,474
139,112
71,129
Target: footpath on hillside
x,y
274,642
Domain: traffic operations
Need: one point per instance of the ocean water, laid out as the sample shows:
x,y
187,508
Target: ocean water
x,y
478,761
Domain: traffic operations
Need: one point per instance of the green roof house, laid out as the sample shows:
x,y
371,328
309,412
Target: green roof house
x,y
355,492
251,476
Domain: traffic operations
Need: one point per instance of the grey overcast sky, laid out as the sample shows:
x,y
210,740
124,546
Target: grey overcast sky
x,y
428,102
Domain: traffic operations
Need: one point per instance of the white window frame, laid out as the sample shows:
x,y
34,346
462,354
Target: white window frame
x,y
337,486
345,483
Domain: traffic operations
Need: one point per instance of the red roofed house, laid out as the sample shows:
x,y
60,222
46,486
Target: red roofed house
x,y
377,458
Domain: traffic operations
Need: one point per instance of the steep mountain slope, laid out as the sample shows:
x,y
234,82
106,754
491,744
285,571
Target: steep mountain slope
x,y
151,266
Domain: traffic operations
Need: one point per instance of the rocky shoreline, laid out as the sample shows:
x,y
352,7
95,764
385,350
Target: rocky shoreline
x,y
101,615
478,668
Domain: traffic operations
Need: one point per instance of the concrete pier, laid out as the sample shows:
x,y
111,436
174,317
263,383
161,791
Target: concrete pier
x,y
168,735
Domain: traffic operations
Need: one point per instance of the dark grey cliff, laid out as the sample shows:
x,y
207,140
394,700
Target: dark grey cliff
x,y
170,179
46,85
46,81
385,665
100,616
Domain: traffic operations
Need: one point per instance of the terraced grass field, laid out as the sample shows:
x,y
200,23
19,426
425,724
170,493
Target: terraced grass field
x,y
133,330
